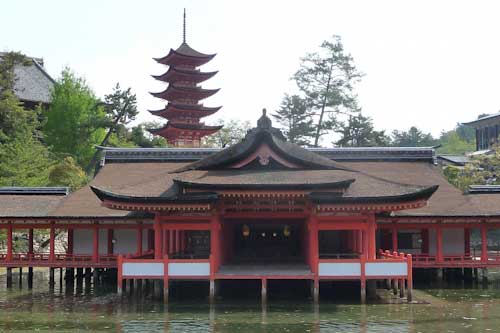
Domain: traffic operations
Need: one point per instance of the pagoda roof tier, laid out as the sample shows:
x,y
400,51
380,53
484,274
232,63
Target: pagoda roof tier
x,y
176,74
185,55
174,92
173,110
173,129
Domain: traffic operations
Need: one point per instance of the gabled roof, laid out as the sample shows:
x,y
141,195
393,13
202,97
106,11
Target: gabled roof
x,y
264,133
33,83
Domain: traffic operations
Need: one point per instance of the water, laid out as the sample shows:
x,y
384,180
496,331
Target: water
x,y
441,310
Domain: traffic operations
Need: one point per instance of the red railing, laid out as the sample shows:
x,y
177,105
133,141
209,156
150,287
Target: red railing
x,y
58,258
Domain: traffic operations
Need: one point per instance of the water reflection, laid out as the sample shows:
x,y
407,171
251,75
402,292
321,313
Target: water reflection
x,y
81,307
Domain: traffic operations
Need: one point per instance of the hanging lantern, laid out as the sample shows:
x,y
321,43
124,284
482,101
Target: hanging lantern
x,y
287,231
246,230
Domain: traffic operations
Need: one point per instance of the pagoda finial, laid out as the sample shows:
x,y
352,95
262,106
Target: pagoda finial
x,y
184,27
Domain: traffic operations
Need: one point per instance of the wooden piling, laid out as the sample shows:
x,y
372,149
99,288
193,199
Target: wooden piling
x,y
9,277
30,277
51,277
20,277
263,290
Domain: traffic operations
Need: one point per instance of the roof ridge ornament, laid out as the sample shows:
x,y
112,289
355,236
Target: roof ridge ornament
x,y
264,121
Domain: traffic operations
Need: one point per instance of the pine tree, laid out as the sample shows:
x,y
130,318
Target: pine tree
x,y
359,132
327,80
296,118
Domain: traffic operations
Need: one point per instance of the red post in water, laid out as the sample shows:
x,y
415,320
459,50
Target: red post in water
x,y
410,279
119,264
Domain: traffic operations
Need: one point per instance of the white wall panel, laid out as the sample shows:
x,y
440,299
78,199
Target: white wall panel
x,y
386,269
339,269
189,269
142,269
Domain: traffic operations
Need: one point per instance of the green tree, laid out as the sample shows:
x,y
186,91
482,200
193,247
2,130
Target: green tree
x,y
121,109
141,138
358,131
412,138
327,80
75,119
296,118
67,173
232,132
452,143
24,160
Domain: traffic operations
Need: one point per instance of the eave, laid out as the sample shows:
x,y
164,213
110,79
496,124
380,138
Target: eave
x,y
174,92
299,186
175,74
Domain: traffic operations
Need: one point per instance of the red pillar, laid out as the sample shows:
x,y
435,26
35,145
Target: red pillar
x,y
177,241
139,240
313,244
9,241
52,253
95,247
215,241
171,240
30,242
360,241
425,241
70,241
467,242
372,239
394,234
439,244
484,243
158,238
110,241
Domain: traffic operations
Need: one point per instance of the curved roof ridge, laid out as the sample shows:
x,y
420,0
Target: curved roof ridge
x,y
264,133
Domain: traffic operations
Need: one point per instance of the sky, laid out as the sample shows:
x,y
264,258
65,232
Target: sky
x,y
429,64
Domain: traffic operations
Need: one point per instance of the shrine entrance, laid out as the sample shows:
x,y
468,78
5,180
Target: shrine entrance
x,y
261,242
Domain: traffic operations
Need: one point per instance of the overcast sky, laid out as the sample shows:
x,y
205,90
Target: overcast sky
x,y
427,63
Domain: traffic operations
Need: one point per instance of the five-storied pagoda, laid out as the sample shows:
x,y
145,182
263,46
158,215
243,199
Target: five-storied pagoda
x,y
183,95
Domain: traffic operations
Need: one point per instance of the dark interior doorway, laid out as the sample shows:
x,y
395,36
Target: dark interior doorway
x,y
267,242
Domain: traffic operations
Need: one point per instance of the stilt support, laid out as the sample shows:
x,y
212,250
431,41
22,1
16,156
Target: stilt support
x,y
52,277
20,277
363,291
212,291
263,290
9,277
30,277
401,288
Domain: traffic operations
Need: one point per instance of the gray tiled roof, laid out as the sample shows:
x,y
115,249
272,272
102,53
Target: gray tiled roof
x,y
33,83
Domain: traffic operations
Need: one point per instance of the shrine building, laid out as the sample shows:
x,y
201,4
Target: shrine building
x,y
263,209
